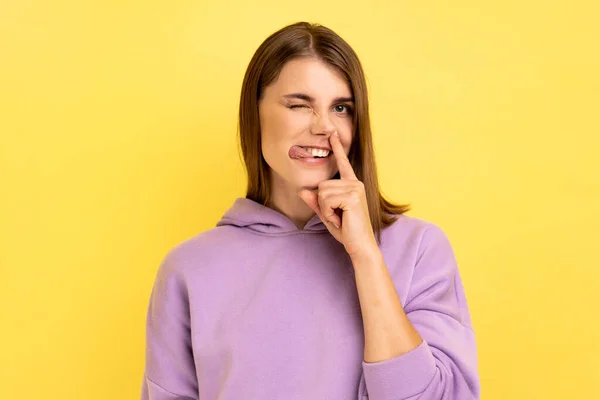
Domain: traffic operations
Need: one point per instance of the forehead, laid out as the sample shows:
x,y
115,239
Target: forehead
x,y
313,77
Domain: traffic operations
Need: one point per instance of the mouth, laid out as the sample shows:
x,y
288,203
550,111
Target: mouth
x,y
317,152
309,152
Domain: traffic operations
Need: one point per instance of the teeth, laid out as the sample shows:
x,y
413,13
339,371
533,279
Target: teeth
x,y
318,152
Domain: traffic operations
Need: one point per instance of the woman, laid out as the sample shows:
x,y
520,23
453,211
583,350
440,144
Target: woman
x,y
312,286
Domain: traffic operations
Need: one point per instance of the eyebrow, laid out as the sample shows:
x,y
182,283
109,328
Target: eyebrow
x,y
305,97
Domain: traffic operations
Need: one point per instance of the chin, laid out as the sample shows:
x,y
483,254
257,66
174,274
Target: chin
x,y
311,182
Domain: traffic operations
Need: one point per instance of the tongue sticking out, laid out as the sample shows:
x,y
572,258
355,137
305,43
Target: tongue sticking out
x,y
299,152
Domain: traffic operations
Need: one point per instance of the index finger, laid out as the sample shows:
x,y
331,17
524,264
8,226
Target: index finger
x,y
344,166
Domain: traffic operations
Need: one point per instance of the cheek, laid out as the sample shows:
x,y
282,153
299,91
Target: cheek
x,y
269,129
281,128
346,139
345,128
270,119
291,123
274,137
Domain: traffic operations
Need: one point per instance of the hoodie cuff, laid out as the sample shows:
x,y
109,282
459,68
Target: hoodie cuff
x,y
400,377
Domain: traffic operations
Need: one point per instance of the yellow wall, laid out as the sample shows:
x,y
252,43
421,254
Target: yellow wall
x,y
117,122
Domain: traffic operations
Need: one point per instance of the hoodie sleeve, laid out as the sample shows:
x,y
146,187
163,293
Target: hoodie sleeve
x,y
169,372
444,365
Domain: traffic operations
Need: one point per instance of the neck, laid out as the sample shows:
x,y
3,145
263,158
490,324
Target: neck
x,y
287,202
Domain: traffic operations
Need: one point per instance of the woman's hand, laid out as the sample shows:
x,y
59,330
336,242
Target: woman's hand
x,y
341,204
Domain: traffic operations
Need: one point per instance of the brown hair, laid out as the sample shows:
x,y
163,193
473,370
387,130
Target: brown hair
x,y
303,39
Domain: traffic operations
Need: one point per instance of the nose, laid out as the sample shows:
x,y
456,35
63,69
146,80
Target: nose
x,y
322,124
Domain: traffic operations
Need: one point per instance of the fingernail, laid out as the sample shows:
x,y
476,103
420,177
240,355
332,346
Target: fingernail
x,y
335,133
336,225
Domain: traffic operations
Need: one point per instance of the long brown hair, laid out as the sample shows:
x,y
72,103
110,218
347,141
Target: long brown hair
x,y
303,39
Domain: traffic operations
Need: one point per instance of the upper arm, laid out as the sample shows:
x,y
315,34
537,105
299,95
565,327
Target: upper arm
x,y
437,307
169,366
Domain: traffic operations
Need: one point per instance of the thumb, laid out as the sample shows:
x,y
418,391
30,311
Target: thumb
x,y
311,199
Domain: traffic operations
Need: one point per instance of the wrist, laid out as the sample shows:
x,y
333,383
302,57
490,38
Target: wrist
x,y
366,255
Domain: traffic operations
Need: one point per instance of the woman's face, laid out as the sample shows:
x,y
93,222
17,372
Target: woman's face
x,y
298,112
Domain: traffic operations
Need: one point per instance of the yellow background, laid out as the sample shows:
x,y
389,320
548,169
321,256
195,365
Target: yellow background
x,y
118,120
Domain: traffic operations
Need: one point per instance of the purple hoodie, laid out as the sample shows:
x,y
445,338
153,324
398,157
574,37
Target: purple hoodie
x,y
256,308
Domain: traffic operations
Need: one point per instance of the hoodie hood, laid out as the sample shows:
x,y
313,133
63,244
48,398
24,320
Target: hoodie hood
x,y
250,215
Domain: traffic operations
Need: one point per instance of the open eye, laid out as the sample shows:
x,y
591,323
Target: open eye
x,y
342,109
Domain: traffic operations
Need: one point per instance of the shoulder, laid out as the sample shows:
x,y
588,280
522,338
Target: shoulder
x,y
413,230
412,243
193,252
